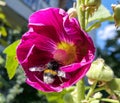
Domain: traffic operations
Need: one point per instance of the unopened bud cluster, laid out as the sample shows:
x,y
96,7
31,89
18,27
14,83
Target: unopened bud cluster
x,y
100,71
93,5
116,10
72,12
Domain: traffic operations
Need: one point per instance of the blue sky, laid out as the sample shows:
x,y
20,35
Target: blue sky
x,y
108,3
103,28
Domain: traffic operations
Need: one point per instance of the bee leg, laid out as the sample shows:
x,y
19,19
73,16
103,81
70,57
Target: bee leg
x,y
60,79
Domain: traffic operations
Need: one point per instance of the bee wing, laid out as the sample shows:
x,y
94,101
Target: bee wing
x,y
36,69
61,74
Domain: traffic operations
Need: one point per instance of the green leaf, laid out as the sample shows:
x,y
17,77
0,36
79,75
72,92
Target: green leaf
x,y
2,16
101,14
11,61
3,31
114,84
11,49
117,92
11,65
68,98
1,60
57,97
3,42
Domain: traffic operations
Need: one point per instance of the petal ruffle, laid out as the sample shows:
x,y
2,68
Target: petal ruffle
x,y
53,27
39,85
44,46
49,16
76,76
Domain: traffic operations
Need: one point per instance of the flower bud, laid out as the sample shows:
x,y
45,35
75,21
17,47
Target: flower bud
x,y
72,12
68,98
97,95
116,10
100,72
2,3
93,5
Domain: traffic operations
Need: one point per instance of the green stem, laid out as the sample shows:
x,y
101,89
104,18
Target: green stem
x,y
87,17
81,13
81,18
109,100
97,24
91,91
93,26
99,89
80,91
86,2
83,2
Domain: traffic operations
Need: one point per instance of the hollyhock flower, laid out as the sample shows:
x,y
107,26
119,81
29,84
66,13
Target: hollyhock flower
x,y
54,53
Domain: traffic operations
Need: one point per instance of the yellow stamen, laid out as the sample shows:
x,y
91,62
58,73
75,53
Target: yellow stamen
x,y
65,53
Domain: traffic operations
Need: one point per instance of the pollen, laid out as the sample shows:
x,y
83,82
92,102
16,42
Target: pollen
x,y
65,53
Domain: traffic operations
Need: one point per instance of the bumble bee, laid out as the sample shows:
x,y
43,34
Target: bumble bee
x,y
50,71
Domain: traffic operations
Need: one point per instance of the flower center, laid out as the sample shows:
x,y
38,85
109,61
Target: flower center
x,y
65,53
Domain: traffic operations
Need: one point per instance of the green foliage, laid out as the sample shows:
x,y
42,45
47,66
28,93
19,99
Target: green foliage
x,y
1,60
68,98
101,15
95,101
2,16
2,99
13,91
111,54
58,97
55,97
3,23
101,71
114,84
11,61
3,31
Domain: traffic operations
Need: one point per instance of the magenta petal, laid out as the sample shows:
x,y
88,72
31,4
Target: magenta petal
x,y
36,57
71,26
52,27
39,85
73,67
43,51
48,31
40,18
76,76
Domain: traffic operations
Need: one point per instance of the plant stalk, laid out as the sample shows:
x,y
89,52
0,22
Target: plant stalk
x,y
81,18
91,91
81,13
80,91
109,100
